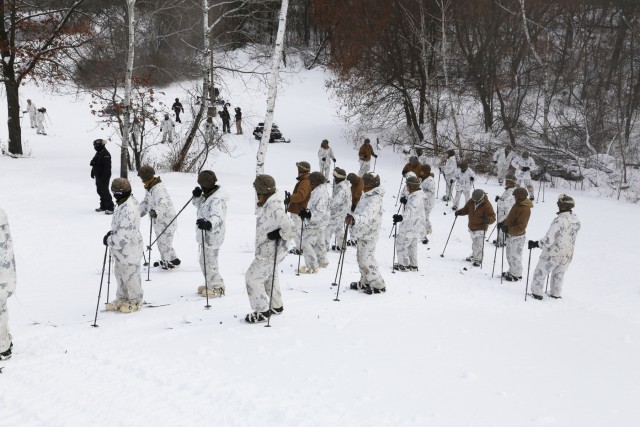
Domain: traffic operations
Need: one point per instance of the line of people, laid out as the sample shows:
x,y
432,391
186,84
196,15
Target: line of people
x,y
37,117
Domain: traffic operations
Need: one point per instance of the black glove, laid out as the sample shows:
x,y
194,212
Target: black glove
x,y
350,219
375,155
533,244
287,198
457,213
106,236
495,162
472,179
334,160
497,199
274,235
502,227
197,192
305,214
397,218
92,175
153,214
324,159
451,182
403,200
526,169
203,224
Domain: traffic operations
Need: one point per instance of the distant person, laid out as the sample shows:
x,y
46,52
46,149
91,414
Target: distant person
x,y
364,154
7,284
177,108
32,110
449,171
209,130
101,172
464,183
238,118
325,156
226,119
502,158
40,117
412,166
524,164
167,128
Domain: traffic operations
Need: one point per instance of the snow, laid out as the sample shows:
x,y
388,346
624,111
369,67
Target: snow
x,y
443,347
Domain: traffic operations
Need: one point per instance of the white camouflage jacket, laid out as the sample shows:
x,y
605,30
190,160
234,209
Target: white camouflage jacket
x,y
505,203
463,179
7,259
167,125
413,223
558,244
502,159
269,217
368,215
327,154
125,240
428,187
213,209
157,199
519,162
451,166
341,201
319,207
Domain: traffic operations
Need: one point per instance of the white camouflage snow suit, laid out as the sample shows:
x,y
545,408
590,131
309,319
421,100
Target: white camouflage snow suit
x,y
502,163
314,248
125,242
366,229
167,128
505,203
410,229
40,123
524,177
339,207
450,169
212,208
463,185
428,187
258,277
157,199
557,252
33,111
325,165
7,279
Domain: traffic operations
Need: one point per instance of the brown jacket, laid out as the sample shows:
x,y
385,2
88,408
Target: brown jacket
x,y
365,152
356,193
480,216
518,218
300,195
410,168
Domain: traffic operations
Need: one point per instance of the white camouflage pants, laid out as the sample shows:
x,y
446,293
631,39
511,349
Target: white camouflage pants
x,y
32,120
526,182
502,171
5,336
450,186
165,242
369,271
297,225
258,280
459,192
213,279
335,228
129,281
325,168
477,239
167,136
407,249
428,207
514,247
365,166
545,268
314,249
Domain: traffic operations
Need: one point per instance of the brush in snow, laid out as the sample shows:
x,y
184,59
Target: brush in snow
x,y
7,353
257,317
276,134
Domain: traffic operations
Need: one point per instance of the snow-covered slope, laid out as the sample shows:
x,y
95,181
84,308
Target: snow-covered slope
x,y
443,347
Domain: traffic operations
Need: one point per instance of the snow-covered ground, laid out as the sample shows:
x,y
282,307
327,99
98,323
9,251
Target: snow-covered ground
x,y
443,347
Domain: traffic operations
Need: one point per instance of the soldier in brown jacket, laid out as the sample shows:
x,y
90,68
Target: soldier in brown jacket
x,y
298,199
364,154
480,214
514,228
413,166
357,187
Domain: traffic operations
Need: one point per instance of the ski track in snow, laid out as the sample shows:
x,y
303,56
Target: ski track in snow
x,y
443,347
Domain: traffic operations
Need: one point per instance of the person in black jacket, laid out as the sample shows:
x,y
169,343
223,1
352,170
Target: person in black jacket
x,y
238,121
177,108
226,119
101,171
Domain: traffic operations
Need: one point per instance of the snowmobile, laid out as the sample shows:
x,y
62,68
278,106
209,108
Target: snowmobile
x,y
276,134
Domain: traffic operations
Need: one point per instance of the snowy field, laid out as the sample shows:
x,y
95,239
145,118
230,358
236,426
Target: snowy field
x,y
443,347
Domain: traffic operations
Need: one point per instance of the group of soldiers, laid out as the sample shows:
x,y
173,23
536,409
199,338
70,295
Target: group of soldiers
x,y
311,218
37,117
167,125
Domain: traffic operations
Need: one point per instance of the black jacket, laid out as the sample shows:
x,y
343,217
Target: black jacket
x,y
224,114
101,164
238,115
177,107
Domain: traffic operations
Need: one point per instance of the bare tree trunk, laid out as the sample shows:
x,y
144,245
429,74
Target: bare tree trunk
x,y
433,126
444,5
128,77
273,88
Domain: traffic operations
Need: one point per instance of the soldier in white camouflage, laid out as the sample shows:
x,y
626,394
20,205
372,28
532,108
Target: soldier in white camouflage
x,y
449,171
211,202
325,157
157,203
365,227
7,284
274,229
316,217
410,227
557,250
502,158
504,204
514,226
523,165
125,241
339,207
464,183
428,186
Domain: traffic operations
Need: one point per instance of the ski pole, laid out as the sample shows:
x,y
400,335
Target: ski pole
x,y
395,234
544,185
445,245
495,255
374,163
526,289
340,257
484,233
109,277
150,236
300,248
539,187
399,189
504,243
171,222
546,287
104,261
344,251
391,232
204,263
438,190
273,279
492,230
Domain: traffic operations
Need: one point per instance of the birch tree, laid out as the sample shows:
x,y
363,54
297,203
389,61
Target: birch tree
x,y
128,77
